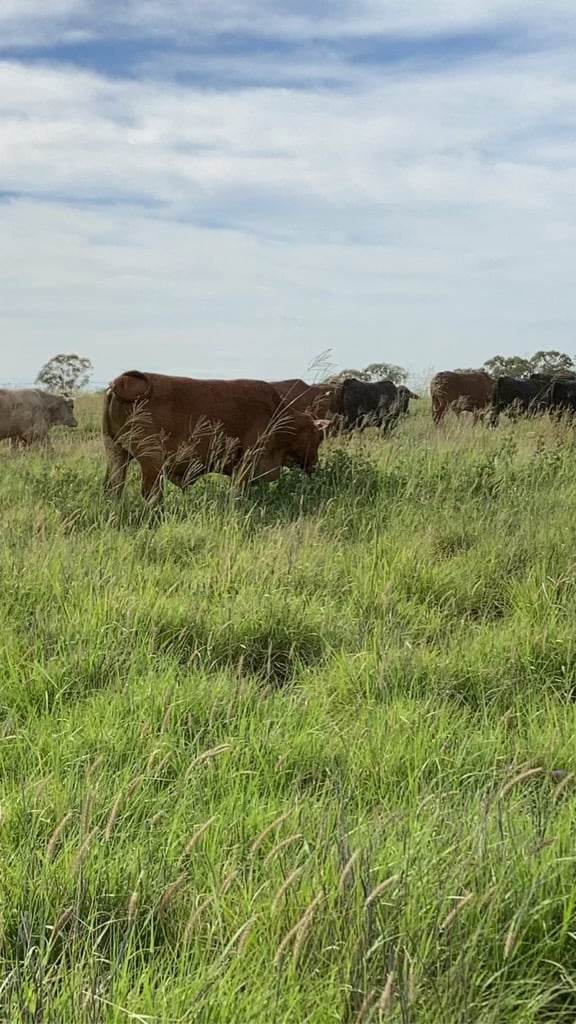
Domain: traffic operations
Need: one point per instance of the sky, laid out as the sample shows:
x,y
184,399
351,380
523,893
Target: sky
x,y
274,188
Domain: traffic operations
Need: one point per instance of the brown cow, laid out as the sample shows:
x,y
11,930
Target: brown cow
x,y
314,398
27,414
182,428
460,390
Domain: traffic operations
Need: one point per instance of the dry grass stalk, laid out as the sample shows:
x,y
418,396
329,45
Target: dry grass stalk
x,y
528,773
133,785
86,809
155,819
244,935
487,897
166,721
386,1001
379,889
270,828
348,868
412,985
61,922
228,881
83,852
194,918
462,901
169,893
304,928
197,836
207,755
56,837
281,846
562,786
240,937
365,1010
301,924
152,757
114,812
285,886
161,763
93,768
134,900
511,939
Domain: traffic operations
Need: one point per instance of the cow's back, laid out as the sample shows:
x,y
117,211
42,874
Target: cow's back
x,y
173,405
22,412
303,397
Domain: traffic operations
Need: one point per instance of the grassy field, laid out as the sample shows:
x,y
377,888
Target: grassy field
x,y
297,756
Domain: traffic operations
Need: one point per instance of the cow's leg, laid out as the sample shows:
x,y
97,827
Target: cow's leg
x,y
388,421
18,443
494,415
438,412
152,481
31,438
118,460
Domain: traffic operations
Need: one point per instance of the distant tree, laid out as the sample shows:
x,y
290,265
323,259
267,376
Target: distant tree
x,y
65,373
387,371
508,366
335,378
552,362
374,371
549,361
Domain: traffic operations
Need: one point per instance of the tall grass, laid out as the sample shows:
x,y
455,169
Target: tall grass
x,y
298,755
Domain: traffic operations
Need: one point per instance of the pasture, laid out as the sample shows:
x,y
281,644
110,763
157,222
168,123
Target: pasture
x,y
298,755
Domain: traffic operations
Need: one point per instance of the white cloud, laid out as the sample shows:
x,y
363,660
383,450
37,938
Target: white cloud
x,y
132,290
23,21
447,139
418,216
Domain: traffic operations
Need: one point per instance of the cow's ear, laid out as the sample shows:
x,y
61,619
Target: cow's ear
x,y
131,386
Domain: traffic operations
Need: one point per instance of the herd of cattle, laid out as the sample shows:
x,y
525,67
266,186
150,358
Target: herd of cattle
x,y
477,392
180,428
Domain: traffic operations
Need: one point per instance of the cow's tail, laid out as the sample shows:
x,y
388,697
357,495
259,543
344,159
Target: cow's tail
x,y
106,419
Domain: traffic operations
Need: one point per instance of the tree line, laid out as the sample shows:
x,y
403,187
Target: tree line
x,y
65,374
544,361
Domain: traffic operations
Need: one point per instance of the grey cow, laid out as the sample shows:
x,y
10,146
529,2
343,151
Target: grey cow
x,y
27,414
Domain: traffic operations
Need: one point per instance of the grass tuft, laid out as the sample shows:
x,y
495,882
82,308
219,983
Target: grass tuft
x,y
301,753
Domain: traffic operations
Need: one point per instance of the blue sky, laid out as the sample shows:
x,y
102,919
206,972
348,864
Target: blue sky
x,y
237,189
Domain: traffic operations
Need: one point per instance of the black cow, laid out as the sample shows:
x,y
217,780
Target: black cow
x,y
520,395
563,395
362,404
559,375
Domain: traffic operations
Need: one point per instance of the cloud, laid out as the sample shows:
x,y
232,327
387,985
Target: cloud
x,y
418,138
24,21
233,211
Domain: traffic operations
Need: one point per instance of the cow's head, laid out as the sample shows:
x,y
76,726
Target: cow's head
x,y
305,439
61,411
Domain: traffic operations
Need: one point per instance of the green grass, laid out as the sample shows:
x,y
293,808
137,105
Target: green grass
x,y
297,755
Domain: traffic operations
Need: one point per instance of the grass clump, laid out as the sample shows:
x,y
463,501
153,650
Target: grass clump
x,y
304,753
